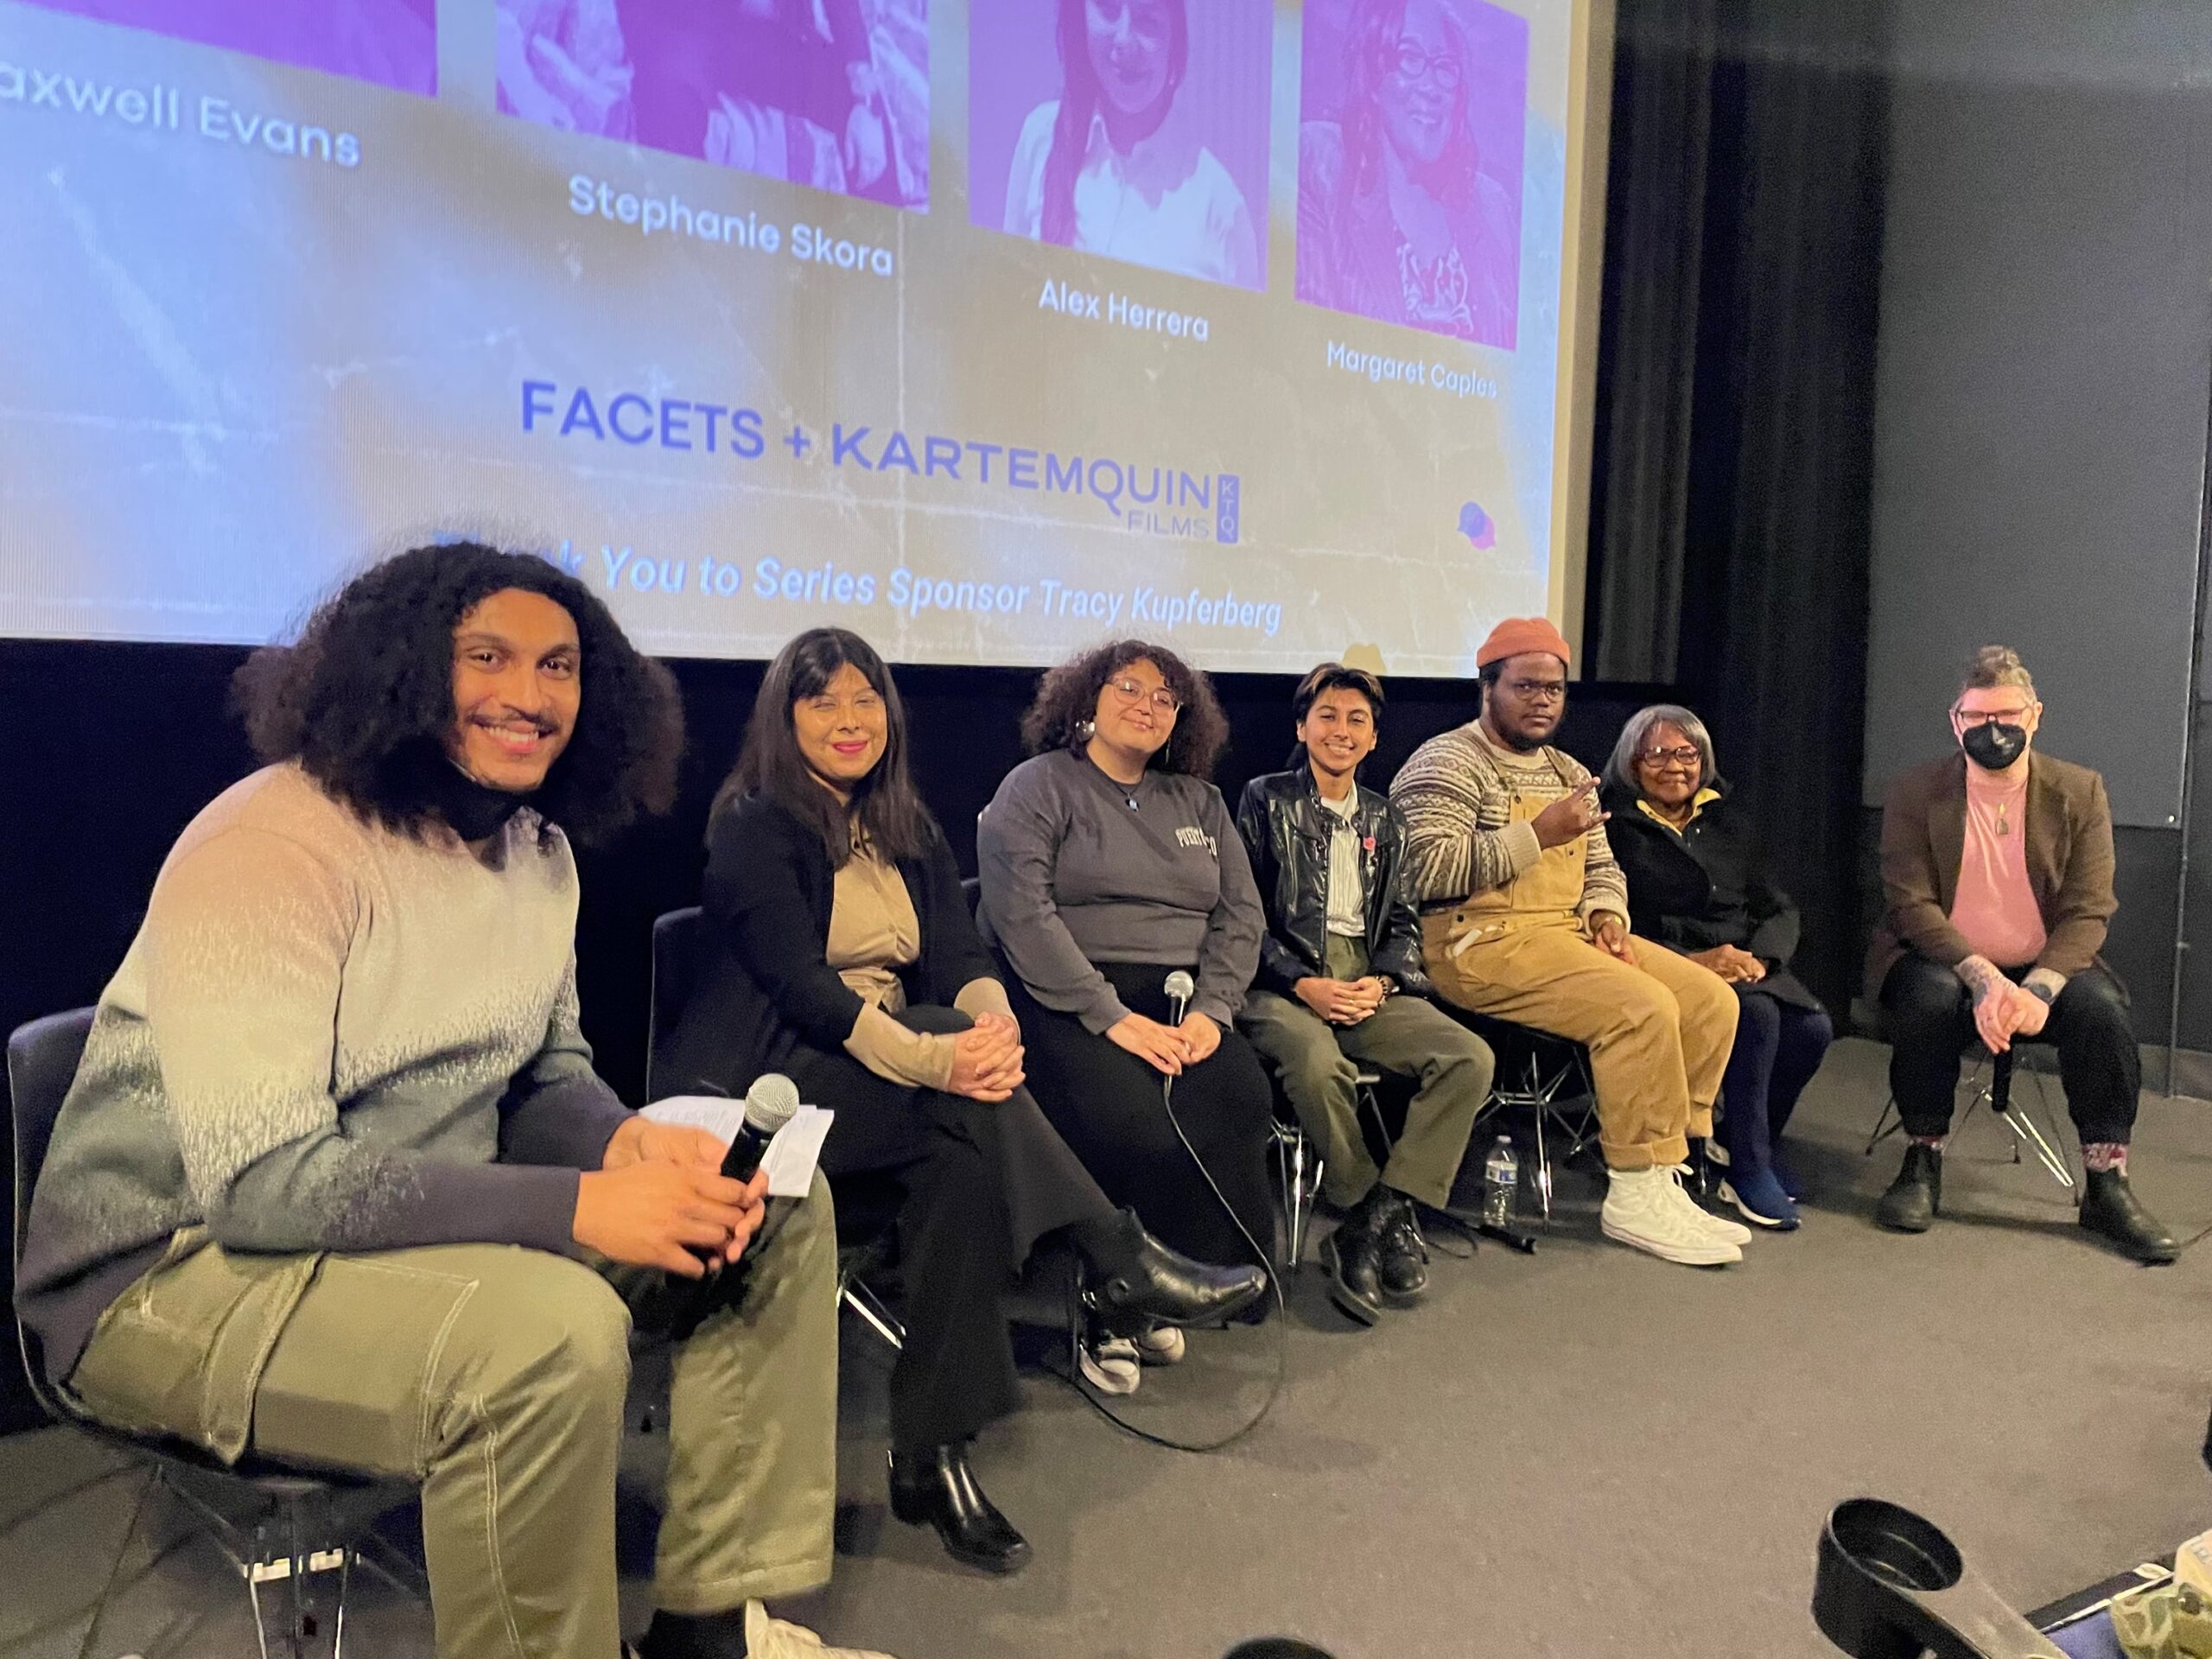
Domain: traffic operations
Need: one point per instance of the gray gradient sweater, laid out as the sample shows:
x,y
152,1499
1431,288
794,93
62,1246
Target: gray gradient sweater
x,y
325,1036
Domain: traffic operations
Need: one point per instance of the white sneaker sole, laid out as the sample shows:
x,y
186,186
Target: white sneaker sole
x,y
1728,1196
1161,1345
1689,1253
1116,1376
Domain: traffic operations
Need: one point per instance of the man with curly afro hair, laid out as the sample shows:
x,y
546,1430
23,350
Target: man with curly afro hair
x,y
337,1184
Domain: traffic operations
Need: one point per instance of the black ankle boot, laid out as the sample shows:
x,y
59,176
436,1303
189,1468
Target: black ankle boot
x,y
936,1487
1914,1197
2111,1209
1138,1281
1401,1254
1352,1256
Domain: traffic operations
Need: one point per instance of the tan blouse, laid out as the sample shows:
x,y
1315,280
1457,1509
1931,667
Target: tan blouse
x,y
873,932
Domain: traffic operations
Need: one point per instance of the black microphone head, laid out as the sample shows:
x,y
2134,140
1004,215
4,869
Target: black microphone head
x,y
770,1102
1180,986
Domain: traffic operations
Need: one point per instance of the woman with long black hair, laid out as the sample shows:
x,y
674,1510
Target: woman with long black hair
x,y
838,949
1113,167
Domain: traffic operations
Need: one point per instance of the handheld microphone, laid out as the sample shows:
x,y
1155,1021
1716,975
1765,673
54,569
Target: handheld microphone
x,y
769,1104
1180,988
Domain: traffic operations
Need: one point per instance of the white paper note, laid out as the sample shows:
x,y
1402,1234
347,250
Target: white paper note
x,y
790,1156
718,1114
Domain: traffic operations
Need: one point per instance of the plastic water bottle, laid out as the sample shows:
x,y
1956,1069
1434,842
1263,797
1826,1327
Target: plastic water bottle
x,y
1501,1184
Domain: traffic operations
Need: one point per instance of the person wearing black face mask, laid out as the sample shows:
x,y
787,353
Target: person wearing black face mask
x,y
1996,863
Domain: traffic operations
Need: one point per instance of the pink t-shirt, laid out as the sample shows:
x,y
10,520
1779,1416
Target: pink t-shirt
x,y
1994,907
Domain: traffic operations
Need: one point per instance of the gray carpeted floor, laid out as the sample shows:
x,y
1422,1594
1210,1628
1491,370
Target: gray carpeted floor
x,y
1587,1452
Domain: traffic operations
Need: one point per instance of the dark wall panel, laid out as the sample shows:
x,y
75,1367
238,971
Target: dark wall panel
x,y
2046,341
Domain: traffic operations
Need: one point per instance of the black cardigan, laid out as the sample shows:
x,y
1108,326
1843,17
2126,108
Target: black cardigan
x,y
1704,888
764,984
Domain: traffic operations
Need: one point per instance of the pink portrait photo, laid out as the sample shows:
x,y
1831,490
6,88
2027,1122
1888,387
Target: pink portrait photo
x,y
386,42
1411,115
1136,129
834,94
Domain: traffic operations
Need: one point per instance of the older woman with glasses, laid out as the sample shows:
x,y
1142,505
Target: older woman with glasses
x,y
1110,867
1697,885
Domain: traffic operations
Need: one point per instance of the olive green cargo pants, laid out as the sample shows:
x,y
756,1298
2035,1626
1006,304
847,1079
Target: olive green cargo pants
x,y
495,1376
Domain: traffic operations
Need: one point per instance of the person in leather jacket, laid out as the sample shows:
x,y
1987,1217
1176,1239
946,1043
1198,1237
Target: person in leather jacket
x,y
1340,986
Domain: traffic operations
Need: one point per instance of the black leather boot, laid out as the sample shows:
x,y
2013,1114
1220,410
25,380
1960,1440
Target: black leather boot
x,y
1401,1254
936,1487
1137,1281
1914,1197
1352,1256
2111,1209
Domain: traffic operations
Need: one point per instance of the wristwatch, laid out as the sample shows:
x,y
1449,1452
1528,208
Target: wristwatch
x,y
2041,993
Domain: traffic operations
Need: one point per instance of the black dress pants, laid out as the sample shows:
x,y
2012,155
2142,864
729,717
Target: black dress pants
x,y
1106,1103
1930,1014
979,1182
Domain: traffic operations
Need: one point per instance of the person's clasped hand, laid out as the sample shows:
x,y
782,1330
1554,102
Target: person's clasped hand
x,y
987,1060
1340,1001
1166,1049
1737,966
2004,1011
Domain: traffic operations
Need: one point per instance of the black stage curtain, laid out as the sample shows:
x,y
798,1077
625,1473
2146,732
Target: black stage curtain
x,y
1733,455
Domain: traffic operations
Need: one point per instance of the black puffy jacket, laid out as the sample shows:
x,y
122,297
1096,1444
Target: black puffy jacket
x,y
1286,831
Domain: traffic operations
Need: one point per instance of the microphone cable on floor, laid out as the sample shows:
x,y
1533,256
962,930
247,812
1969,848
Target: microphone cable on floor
x,y
1179,991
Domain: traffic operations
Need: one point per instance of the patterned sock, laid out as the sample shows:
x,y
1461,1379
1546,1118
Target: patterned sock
x,y
1935,1141
2105,1154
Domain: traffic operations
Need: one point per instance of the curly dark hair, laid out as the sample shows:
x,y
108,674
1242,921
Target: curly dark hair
x,y
364,700
1059,716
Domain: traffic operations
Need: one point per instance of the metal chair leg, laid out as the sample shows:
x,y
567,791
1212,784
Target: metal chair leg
x,y
2024,1133
879,1319
1884,1126
338,1623
1543,1166
114,1568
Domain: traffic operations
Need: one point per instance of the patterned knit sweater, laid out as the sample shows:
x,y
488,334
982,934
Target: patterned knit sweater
x,y
1457,793
325,1036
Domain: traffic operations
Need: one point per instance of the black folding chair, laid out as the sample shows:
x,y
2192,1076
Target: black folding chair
x,y
1547,1078
1991,1077
276,1521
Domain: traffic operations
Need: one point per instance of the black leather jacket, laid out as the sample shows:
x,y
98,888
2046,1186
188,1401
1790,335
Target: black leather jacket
x,y
1286,830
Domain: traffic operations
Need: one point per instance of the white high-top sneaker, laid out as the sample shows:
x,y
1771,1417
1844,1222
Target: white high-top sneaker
x,y
1719,1226
1648,1210
770,1639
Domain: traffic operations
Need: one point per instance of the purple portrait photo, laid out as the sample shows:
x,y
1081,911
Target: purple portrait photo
x,y
1132,128
830,93
1411,119
388,42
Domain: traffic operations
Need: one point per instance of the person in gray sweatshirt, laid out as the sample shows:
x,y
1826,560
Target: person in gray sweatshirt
x,y
1109,862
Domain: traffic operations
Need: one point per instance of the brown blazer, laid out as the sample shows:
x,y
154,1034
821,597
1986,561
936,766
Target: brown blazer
x,y
1924,838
